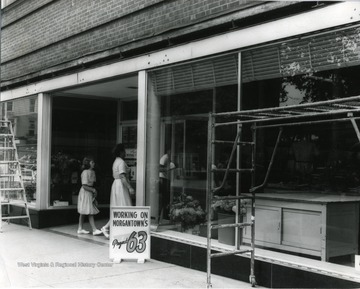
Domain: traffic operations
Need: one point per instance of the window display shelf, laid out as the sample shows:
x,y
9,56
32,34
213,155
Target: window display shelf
x,y
310,223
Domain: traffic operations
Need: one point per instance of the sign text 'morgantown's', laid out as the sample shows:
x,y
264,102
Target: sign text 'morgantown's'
x,y
130,223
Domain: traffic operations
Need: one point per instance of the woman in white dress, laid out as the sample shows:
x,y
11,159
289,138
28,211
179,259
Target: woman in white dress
x,y
87,195
121,188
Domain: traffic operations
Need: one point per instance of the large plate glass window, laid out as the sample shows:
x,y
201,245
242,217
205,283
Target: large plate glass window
x,y
23,114
179,101
315,177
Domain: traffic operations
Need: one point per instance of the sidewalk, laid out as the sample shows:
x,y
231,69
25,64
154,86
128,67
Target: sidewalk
x,y
58,257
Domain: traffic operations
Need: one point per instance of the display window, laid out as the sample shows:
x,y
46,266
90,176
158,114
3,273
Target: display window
x,y
23,114
310,204
317,68
178,106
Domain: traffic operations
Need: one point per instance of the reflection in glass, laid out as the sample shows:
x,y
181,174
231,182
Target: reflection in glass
x,y
180,99
23,115
315,161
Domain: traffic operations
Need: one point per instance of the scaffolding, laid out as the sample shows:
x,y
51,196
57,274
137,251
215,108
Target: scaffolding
x,y
335,110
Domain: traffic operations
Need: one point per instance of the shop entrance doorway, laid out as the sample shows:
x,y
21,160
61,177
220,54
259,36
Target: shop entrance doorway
x,y
87,121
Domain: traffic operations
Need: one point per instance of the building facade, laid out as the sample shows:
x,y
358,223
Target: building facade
x,y
77,77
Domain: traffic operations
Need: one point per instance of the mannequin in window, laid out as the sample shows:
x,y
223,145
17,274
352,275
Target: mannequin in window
x,y
166,165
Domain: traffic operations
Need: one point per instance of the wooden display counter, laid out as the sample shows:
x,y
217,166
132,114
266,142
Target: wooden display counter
x,y
317,224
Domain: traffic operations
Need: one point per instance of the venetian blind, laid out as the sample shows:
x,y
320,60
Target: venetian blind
x,y
197,75
328,51
313,54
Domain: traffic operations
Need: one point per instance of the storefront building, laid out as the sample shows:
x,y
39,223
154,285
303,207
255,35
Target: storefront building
x,y
77,77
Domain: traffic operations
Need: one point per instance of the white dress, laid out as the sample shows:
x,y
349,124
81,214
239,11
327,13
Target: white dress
x,y
86,204
119,193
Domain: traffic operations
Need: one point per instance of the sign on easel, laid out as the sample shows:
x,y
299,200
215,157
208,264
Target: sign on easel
x,y
129,233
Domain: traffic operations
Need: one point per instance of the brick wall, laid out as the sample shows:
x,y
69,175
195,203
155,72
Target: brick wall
x,y
40,34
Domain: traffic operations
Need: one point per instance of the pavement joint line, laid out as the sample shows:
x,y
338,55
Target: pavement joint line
x,y
107,276
30,276
76,237
102,244
158,272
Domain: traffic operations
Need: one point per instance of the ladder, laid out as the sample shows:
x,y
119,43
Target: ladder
x,y
12,190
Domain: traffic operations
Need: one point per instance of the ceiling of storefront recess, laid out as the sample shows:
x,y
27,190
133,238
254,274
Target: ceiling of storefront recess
x,y
118,88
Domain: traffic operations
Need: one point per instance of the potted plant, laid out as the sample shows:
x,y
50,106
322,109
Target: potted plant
x,y
64,177
187,211
30,190
226,210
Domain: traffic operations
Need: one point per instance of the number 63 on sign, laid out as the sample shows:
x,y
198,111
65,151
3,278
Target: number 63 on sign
x,y
129,233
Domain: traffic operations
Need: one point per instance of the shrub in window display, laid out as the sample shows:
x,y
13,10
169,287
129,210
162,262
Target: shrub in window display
x,y
63,165
187,211
30,191
65,177
228,206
